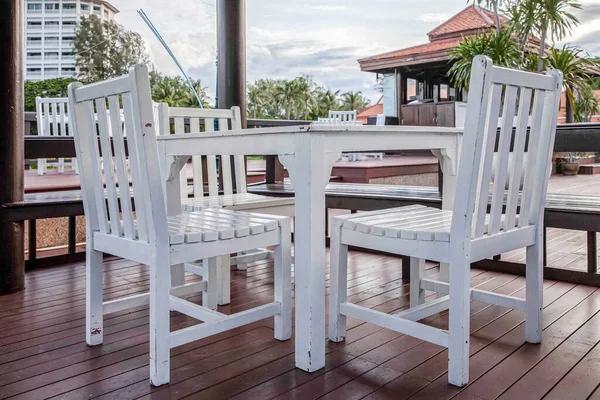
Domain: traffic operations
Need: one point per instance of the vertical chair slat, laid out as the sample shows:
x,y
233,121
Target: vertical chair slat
x,y
121,164
46,118
197,163
225,161
211,162
140,201
239,160
109,168
183,182
508,113
54,111
514,184
485,171
95,171
61,115
536,122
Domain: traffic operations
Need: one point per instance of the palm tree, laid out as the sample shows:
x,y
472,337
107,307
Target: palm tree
x,y
586,105
554,21
287,95
354,101
572,63
327,100
499,46
494,5
257,97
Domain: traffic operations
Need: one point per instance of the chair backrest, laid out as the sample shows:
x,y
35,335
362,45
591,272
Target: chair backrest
x,y
342,117
186,120
496,92
52,116
110,211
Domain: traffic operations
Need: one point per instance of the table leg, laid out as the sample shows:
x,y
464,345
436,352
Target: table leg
x,y
448,159
171,170
309,171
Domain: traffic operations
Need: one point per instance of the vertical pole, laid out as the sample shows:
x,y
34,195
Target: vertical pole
x,y
231,49
231,43
12,234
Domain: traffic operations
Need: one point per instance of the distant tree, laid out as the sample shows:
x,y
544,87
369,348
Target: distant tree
x,y
354,101
176,92
46,88
327,100
105,49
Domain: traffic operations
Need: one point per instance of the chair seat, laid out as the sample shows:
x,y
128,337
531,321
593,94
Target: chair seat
x,y
238,201
411,223
216,224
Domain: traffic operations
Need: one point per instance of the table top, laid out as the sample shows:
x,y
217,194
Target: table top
x,y
316,129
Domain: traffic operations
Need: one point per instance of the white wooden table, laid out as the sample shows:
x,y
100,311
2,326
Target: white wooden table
x,y
308,153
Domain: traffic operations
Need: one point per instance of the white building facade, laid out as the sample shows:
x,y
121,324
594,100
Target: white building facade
x,y
49,29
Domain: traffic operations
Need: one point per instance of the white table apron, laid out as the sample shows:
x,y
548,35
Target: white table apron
x,y
309,153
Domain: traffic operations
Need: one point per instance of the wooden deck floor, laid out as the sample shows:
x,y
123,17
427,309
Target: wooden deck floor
x,y
43,352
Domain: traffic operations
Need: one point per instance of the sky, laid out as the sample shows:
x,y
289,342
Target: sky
x,y
321,38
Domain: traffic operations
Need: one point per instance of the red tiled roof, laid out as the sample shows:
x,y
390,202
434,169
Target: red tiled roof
x,y
472,18
446,36
371,111
432,47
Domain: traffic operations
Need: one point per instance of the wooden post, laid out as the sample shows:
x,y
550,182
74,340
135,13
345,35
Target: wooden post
x,y
231,50
231,41
12,256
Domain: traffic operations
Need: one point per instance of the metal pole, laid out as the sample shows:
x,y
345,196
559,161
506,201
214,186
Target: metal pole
x,y
231,45
12,256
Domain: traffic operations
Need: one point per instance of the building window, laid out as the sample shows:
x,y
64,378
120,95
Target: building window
x,y
97,8
34,24
34,7
69,7
52,6
85,7
69,23
52,24
106,13
34,39
52,71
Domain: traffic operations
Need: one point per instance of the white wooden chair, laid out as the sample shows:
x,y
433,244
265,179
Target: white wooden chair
x,y
342,117
53,120
239,199
152,238
467,233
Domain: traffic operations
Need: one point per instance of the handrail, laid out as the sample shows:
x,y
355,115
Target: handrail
x,y
580,137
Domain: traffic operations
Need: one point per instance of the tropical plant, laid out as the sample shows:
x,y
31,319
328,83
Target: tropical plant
x,y
572,62
176,92
105,49
586,104
354,101
499,46
45,88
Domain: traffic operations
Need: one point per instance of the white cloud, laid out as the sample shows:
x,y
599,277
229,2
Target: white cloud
x,y
434,17
323,38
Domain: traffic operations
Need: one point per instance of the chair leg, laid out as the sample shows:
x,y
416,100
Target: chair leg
x,y
160,287
534,282
338,283
41,166
93,297
177,275
61,165
224,280
239,266
210,296
283,283
459,324
417,270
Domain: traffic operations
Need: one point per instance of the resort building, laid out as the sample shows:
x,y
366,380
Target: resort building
x,y
49,31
